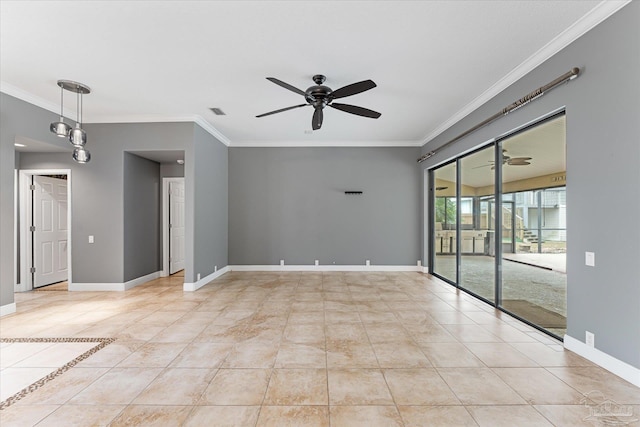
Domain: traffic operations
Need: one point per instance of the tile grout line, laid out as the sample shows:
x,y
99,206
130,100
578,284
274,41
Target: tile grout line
x,y
266,390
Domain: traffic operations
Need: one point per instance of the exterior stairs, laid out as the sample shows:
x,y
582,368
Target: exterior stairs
x,y
530,236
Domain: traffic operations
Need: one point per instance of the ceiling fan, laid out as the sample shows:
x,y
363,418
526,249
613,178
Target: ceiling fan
x,y
319,96
508,160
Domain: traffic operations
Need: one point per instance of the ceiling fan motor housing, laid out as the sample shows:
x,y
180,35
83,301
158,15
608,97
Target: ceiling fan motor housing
x,y
319,96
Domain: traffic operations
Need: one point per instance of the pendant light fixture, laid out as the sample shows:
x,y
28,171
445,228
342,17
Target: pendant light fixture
x,y
60,128
77,136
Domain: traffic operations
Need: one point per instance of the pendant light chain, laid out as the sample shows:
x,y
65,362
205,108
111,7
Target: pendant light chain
x,y
61,103
78,108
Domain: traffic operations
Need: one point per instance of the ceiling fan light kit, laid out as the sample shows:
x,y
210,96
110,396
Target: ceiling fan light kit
x,y
320,96
77,136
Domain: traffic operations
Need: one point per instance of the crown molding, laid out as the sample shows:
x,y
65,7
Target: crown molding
x,y
327,144
150,118
16,92
153,118
594,17
23,95
212,130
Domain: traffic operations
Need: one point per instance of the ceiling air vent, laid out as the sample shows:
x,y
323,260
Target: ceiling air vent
x,y
217,111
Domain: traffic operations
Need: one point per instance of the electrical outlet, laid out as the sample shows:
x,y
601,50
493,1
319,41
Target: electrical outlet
x,y
317,262
215,268
368,262
590,339
91,239
281,262
590,259
198,276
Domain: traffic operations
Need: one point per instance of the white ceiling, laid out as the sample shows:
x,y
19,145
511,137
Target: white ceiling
x,y
433,61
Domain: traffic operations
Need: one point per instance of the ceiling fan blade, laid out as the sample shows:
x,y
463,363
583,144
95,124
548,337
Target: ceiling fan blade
x,y
353,89
316,121
282,109
358,111
286,86
519,161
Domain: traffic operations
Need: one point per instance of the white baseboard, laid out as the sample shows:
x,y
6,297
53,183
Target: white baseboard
x,y
98,287
7,309
140,280
372,268
600,358
190,287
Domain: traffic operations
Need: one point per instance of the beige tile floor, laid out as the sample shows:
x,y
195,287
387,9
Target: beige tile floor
x,y
24,363
307,349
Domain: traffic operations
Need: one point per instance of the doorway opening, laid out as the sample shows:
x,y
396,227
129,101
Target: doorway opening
x,y
44,234
173,226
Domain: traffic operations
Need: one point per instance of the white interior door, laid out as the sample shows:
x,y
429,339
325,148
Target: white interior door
x,y
176,226
50,231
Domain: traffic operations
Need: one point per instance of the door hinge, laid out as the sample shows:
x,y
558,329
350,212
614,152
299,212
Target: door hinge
x,y
33,270
170,225
32,187
32,228
170,259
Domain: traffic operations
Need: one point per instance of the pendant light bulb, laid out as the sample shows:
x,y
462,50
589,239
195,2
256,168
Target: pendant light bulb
x,y
60,129
80,155
78,137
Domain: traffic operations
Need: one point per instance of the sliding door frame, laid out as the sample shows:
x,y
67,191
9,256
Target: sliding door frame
x,y
497,235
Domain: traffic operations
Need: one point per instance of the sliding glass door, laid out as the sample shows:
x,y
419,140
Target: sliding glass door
x,y
533,268
477,218
445,221
499,228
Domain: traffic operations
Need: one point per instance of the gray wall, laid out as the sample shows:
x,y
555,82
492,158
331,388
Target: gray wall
x,y
603,153
171,170
16,118
17,198
206,191
142,190
97,191
289,203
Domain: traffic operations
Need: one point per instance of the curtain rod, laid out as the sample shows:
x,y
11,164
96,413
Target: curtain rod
x,y
570,75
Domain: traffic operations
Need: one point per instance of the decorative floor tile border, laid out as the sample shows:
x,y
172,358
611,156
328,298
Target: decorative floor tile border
x,y
102,342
